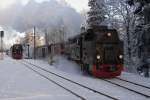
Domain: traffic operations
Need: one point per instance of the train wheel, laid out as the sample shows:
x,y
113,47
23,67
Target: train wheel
x,y
82,67
88,69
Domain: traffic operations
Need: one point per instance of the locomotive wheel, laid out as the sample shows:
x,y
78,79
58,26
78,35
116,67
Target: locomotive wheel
x,y
88,69
85,68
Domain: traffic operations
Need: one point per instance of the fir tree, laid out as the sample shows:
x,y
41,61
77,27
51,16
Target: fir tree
x,y
96,15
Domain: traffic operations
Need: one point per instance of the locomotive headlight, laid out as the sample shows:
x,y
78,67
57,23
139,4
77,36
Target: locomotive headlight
x,y
121,56
98,57
109,34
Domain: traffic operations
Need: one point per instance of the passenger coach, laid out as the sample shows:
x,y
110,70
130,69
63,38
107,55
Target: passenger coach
x,y
17,51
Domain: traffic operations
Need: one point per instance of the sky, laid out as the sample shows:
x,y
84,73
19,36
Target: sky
x,y
78,5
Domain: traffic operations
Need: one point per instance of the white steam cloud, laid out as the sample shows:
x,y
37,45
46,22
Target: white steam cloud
x,y
41,15
44,15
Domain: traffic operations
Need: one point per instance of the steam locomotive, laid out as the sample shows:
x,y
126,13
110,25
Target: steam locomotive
x,y
98,50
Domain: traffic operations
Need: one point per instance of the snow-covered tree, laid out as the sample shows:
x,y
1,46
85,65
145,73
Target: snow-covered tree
x,y
141,32
119,16
96,15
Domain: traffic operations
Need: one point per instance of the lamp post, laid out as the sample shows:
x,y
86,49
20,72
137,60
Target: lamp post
x,y
1,36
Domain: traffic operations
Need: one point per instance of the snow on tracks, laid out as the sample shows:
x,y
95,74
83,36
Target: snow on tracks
x,y
94,83
79,90
130,86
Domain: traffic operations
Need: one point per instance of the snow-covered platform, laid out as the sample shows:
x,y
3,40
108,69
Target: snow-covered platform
x,y
20,82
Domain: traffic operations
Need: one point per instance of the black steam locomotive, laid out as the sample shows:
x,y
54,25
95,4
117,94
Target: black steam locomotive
x,y
98,50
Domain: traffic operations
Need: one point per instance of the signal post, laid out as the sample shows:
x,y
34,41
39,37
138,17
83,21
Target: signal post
x,y
1,49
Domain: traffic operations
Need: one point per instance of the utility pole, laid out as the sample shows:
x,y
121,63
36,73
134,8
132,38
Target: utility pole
x,y
63,32
34,42
28,51
46,38
46,41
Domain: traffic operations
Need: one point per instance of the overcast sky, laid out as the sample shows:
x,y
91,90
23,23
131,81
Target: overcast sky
x,y
79,5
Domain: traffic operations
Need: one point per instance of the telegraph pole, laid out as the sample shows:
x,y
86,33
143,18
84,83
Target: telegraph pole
x,y
28,51
34,43
46,38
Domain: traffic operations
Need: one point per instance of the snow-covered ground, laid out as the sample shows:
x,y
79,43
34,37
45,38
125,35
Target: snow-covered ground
x,y
61,67
61,63
20,83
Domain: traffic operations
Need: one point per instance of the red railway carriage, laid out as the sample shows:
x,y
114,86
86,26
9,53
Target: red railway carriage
x,y
17,51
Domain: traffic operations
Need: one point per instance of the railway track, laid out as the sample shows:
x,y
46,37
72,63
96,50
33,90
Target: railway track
x,y
82,98
131,86
133,83
28,65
